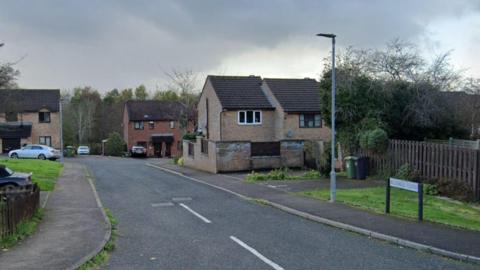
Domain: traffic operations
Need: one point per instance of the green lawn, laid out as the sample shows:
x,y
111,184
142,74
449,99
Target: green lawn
x,y
405,204
45,172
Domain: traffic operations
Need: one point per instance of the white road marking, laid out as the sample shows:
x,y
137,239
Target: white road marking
x,y
181,199
195,213
162,204
256,253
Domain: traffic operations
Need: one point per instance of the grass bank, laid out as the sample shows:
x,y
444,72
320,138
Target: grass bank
x,y
102,257
282,174
24,229
405,204
45,172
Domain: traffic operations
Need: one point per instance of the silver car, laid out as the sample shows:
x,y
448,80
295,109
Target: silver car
x,y
35,151
83,150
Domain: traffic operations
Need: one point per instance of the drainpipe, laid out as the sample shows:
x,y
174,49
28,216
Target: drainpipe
x,y
221,113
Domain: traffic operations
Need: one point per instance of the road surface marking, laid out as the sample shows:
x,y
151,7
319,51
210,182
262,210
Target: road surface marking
x,y
195,213
256,253
181,199
162,204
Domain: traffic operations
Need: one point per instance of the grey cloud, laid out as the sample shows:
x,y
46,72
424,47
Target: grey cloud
x,y
111,43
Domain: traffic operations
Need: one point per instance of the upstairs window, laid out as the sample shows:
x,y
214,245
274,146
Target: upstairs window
x,y
44,117
310,121
11,117
172,124
250,117
151,125
138,125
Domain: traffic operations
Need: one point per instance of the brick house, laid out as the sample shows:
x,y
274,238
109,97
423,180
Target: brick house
x,y
154,125
250,123
29,117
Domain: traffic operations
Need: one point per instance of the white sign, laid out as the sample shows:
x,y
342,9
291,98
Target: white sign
x,y
412,186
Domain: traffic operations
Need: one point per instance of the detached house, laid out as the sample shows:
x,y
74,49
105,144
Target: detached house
x,y
29,117
154,125
249,123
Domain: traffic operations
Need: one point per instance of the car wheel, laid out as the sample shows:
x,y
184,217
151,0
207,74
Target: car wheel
x,y
42,157
7,188
14,155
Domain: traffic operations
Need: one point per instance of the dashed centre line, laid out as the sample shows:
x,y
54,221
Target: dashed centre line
x,y
204,219
256,253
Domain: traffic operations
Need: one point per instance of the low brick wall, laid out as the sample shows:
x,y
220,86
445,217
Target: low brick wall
x,y
233,156
291,152
200,161
230,156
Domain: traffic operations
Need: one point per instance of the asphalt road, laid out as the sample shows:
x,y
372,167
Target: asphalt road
x,y
168,222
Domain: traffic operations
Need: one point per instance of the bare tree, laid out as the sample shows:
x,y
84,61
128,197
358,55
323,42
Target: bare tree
x,y
186,85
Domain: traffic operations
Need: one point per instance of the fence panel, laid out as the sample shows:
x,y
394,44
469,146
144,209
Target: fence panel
x,y
16,206
431,160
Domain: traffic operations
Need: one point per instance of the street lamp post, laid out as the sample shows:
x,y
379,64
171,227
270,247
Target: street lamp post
x,y
333,176
61,129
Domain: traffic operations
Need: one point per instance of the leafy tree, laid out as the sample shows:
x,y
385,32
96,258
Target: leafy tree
x,y
8,76
115,145
167,95
141,92
126,94
111,97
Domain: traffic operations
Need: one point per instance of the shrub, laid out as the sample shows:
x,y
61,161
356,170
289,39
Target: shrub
x,y
312,174
326,161
190,136
406,172
115,145
180,161
375,141
450,188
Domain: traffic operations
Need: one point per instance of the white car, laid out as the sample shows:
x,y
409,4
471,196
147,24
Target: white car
x,y
35,151
83,150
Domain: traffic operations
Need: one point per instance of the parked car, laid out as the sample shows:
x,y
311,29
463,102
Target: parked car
x,y
10,180
138,151
35,151
83,150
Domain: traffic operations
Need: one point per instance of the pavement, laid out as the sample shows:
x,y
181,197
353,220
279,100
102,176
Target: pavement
x,y
73,229
167,221
440,239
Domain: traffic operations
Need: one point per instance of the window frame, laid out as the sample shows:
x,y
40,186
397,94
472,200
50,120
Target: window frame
x,y
151,125
245,117
45,138
141,125
301,120
11,115
44,121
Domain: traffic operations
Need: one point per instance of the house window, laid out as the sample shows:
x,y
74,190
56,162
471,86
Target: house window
x,y
249,117
45,140
11,117
310,121
138,124
172,124
151,125
44,117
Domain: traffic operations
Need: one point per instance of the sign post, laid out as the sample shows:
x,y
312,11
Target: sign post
x,y
405,185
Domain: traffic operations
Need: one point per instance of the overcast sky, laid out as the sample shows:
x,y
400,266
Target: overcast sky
x,y
118,44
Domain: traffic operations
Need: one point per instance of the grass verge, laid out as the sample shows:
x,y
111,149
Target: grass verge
x,y
102,257
45,172
405,204
24,229
282,174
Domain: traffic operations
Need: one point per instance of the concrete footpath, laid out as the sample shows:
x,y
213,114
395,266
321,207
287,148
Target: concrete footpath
x,y
426,236
74,227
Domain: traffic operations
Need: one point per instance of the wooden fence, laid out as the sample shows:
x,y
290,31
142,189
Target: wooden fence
x,y
17,206
431,160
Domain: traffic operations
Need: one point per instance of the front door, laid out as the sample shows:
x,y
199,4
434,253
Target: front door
x,y
168,149
10,144
157,149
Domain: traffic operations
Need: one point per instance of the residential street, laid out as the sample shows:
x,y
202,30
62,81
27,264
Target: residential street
x,y
169,222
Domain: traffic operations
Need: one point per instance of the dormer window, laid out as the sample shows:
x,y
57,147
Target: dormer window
x,y
44,117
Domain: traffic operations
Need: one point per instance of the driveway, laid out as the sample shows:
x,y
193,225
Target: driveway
x,y
169,222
